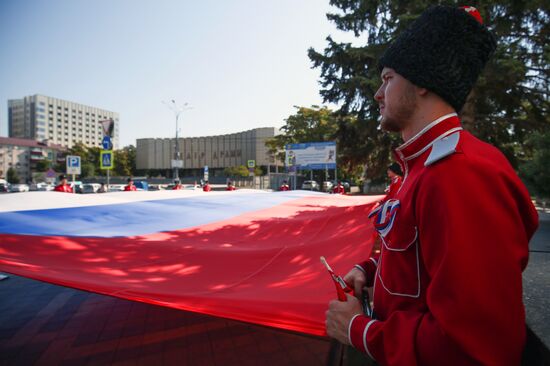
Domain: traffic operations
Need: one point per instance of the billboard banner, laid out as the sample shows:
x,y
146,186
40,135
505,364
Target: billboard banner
x,y
311,155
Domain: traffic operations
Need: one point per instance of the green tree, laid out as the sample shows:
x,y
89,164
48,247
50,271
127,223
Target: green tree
x,y
535,171
125,161
320,124
509,101
12,176
43,165
236,171
315,124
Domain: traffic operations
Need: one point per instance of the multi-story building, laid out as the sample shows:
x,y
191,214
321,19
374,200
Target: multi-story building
x,y
58,121
216,152
23,154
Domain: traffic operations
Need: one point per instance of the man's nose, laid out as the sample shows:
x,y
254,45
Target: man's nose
x,y
379,95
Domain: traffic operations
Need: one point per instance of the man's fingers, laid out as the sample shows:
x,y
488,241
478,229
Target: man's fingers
x,y
358,289
348,278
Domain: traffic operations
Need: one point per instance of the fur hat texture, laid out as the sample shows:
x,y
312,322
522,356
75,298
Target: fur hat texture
x,y
444,50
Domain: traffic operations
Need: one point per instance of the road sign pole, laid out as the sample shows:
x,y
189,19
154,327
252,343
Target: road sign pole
x,y
108,179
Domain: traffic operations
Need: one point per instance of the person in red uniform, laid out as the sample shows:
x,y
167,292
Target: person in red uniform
x,y
230,186
448,281
130,186
284,186
63,186
206,187
339,188
396,179
177,185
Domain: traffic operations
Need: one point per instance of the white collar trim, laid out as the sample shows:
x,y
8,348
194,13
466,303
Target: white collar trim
x,y
423,131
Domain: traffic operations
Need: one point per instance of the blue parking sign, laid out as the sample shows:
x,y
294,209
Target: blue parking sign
x,y
73,164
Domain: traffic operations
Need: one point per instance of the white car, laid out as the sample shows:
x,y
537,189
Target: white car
x,y
116,187
310,185
90,187
327,186
44,187
19,188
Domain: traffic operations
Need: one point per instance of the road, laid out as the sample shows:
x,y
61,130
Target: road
x,y
536,281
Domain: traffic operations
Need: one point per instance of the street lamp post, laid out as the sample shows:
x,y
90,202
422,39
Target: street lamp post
x,y
177,111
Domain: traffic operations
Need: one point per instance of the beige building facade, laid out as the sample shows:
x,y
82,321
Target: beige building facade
x,y
58,121
22,155
216,152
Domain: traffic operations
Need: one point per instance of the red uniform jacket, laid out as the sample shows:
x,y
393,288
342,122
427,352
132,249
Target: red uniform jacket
x,y
230,188
339,189
284,187
448,283
176,187
207,188
130,188
394,186
63,188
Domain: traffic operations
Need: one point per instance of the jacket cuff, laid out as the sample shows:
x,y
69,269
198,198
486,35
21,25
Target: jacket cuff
x,y
357,333
369,268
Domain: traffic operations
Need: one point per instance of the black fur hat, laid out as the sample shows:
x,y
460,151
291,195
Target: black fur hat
x,y
444,51
396,169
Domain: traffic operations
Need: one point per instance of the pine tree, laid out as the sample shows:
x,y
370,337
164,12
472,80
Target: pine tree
x,y
509,101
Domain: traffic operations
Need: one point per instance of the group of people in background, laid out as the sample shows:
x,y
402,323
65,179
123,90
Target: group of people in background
x,y
394,173
65,187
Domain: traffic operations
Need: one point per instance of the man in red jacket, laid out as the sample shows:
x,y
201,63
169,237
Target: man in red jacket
x,y
206,187
230,186
339,188
396,179
284,186
177,185
63,186
448,280
130,186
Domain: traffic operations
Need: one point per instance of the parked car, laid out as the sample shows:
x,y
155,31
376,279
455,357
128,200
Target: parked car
x,y
76,186
19,188
347,185
141,185
4,187
116,187
310,185
327,186
44,187
90,187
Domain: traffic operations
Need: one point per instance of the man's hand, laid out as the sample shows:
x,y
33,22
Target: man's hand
x,y
357,280
339,315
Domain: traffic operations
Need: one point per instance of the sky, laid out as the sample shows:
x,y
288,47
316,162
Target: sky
x,y
239,64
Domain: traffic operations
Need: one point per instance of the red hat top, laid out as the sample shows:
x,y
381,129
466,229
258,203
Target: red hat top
x,y
473,12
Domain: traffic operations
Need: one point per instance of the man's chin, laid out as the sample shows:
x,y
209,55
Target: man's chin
x,y
389,125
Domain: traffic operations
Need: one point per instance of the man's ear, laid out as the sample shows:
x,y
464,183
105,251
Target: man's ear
x,y
422,91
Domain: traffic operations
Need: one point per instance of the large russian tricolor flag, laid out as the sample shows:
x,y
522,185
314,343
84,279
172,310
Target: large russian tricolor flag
x,y
246,255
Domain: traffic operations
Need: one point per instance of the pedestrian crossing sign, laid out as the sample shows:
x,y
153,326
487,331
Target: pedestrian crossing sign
x,y
106,159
